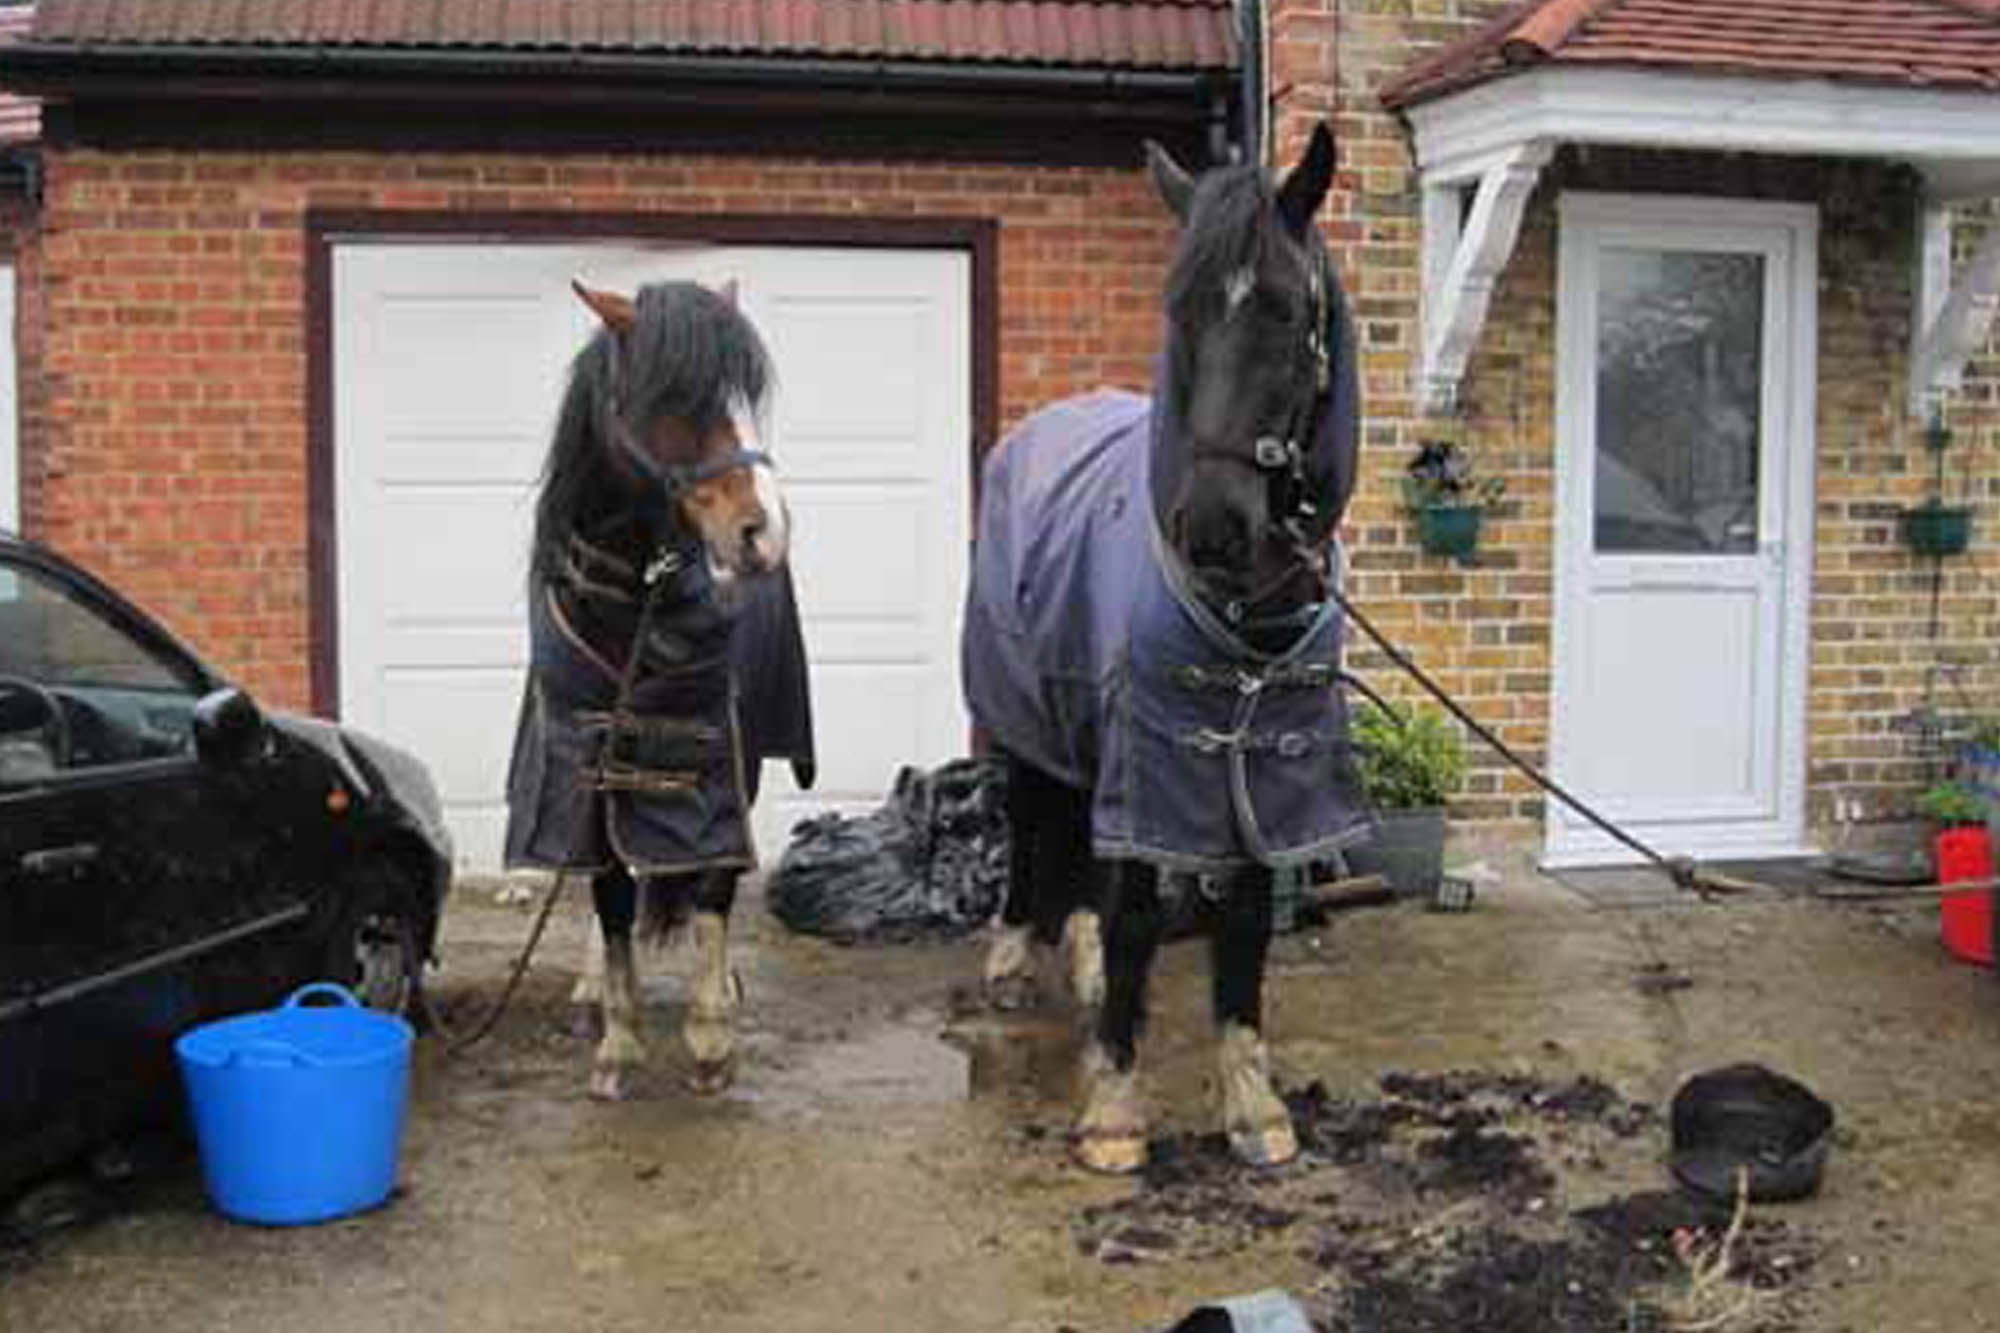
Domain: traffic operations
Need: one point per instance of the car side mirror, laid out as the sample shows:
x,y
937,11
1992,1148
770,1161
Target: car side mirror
x,y
228,727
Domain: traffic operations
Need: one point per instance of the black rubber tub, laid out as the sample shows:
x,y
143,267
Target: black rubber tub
x,y
1747,1117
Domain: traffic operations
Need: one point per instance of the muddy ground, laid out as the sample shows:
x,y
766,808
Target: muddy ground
x,y
1479,1094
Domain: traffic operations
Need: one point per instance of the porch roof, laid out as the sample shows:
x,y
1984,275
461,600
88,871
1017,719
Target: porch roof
x,y
1909,81
1906,43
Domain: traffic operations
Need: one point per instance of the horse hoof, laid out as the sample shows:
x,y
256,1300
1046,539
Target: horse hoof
x,y
1011,995
1109,1154
1268,1145
607,1084
708,1077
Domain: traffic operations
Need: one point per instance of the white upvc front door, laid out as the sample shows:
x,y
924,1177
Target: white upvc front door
x,y
1684,422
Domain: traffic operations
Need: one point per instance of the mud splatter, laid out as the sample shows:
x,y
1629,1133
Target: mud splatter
x,y
1444,1205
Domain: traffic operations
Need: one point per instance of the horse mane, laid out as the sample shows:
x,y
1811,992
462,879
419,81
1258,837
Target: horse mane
x,y
690,355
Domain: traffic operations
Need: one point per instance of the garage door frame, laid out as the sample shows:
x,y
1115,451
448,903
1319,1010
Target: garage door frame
x,y
978,238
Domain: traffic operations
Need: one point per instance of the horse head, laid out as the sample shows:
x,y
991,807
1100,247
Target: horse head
x,y
678,378
1258,440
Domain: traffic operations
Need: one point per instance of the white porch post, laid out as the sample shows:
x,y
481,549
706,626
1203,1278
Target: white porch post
x,y
1461,266
1952,318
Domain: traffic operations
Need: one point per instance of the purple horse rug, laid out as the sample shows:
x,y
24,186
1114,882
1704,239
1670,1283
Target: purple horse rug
x,y
663,785
1087,654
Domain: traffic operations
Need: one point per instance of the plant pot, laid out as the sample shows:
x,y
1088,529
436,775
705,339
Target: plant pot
x,y
1965,919
1935,529
1980,770
1451,530
1407,851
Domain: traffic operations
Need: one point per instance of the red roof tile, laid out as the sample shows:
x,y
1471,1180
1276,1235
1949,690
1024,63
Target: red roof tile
x,y
1134,34
1924,43
20,117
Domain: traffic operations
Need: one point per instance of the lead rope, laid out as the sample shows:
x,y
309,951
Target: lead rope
x,y
1681,869
665,563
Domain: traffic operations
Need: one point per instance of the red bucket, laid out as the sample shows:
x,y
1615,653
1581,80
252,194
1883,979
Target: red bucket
x,y
1965,920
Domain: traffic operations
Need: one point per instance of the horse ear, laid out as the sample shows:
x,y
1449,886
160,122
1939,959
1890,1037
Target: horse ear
x,y
731,291
613,309
1176,187
1305,188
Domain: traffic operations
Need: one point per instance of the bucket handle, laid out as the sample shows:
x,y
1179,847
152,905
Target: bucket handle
x,y
267,1054
333,988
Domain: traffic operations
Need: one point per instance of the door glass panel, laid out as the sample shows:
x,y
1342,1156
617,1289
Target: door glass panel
x,y
1679,389
77,691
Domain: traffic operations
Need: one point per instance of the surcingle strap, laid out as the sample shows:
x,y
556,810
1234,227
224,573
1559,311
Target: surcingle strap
x,y
1236,680
1284,744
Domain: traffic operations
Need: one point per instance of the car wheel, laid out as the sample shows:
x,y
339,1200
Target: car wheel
x,y
376,951
54,1205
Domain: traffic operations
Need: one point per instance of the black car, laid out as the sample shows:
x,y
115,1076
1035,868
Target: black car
x,y
170,853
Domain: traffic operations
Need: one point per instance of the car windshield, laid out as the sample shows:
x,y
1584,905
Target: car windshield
x,y
77,690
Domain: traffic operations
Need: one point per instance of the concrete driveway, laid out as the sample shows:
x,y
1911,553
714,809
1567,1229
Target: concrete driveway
x,y
892,1157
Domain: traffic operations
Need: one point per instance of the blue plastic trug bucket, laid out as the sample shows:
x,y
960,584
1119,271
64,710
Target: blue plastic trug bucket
x,y
298,1111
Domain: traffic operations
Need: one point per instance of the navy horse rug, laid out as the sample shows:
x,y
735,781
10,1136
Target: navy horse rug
x,y
1088,654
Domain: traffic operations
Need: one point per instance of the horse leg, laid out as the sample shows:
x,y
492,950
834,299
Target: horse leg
x,y
1083,927
1256,1122
1111,1133
710,1027
619,1050
1009,972
586,998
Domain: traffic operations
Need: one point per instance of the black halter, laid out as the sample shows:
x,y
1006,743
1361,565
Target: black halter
x,y
675,478
1281,457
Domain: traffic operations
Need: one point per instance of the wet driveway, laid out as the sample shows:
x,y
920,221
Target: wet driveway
x,y
892,1158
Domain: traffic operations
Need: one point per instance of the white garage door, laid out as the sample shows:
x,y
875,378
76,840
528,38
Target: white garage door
x,y
449,361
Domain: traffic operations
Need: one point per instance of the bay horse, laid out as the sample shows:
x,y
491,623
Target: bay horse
x,y
666,658
1150,643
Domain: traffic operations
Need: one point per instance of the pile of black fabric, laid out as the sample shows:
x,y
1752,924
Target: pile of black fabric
x,y
931,863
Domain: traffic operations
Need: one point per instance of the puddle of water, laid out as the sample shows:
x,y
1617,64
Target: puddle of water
x,y
923,1061
1019,1057
888,1066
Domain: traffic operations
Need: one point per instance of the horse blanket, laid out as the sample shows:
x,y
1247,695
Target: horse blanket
x,y
1087,654
664,785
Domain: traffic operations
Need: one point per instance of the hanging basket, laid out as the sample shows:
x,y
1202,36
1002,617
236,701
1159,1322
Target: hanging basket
x,y
1451,530
1935,529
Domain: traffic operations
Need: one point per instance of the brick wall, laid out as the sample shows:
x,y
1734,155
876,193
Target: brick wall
x,y
165,444
1486,629
171,451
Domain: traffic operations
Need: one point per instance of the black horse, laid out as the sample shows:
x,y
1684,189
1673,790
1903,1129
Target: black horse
x,y
666,658
1150,641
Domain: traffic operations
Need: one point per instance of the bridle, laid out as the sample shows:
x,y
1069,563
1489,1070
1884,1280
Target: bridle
x,y
676,479
1280,457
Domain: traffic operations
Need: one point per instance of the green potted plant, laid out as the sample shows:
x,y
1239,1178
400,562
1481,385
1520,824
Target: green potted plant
x,y
1444,497
1979,768
1411,762
1935,528
1964,852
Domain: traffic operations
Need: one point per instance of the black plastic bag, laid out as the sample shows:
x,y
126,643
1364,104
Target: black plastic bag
x,y
930,863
